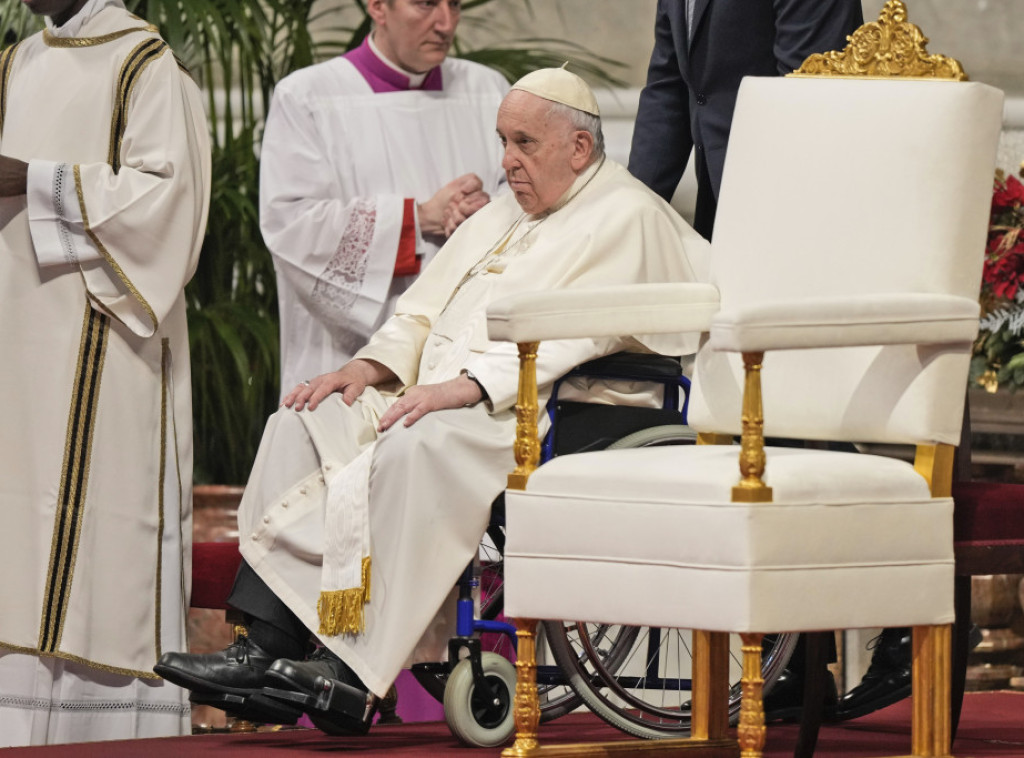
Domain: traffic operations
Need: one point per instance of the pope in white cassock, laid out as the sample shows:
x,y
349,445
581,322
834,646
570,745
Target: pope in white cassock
x,y
368,161
373,484
104,187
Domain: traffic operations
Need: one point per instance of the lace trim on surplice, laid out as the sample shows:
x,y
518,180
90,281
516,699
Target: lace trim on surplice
x,y
44,704
339,284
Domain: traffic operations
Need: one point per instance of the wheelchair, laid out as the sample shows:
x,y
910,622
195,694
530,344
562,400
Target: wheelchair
x,y
634,678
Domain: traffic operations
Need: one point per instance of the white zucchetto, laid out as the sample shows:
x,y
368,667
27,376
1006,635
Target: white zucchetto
x,y
560,86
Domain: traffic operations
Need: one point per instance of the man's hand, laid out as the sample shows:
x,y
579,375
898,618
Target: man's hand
x,y
446,202
462,207
350,380
13,177
420,400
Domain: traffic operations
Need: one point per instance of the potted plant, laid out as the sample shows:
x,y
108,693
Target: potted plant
x,y
998,360
997,365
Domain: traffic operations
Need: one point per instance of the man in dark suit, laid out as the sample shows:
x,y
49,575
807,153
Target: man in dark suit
x,y
702,49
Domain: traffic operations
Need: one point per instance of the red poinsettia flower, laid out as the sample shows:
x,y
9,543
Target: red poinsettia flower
x,y
1008,194
1004,266
999,345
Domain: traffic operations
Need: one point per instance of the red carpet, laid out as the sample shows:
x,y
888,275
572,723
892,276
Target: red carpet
x,y
992,725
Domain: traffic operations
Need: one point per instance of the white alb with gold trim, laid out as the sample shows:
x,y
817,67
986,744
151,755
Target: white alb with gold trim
x,y
95,448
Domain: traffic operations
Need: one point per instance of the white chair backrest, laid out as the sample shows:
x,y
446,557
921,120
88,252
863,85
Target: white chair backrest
x,y
837,187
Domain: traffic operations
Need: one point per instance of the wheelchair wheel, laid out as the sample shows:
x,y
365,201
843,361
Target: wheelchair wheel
x,y
638,678
556,699
481,718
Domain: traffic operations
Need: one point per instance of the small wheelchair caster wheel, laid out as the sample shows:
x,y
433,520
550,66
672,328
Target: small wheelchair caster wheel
x,y
481,716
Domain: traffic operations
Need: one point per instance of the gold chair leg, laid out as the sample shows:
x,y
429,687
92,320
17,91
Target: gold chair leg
x,y
710,707
931,728
527,704
751,731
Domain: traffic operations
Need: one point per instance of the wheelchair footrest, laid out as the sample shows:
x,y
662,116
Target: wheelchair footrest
x,y
437,668
257,708
335,707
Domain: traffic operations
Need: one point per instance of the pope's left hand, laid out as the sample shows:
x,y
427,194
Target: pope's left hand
x,y
421,399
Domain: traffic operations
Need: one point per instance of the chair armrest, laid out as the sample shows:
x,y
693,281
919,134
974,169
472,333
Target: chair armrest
x,y
893,319
628,310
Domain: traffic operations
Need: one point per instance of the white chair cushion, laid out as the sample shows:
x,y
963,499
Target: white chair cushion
x,y
849,541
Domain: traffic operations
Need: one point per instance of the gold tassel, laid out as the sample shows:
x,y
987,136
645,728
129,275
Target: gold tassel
x,y
366,579
341,611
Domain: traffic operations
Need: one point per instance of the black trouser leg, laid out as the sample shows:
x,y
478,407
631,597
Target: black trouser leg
x,y
270,623
707,203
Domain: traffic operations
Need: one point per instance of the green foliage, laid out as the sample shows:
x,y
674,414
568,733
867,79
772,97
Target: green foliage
x,y
16,21
523,56
232,313
998,360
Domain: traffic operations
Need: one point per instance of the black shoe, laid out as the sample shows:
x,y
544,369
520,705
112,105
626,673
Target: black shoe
x,y
785,699
330,693
887,680
238,669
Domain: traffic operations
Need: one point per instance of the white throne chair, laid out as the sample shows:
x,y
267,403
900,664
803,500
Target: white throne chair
x,y
846,261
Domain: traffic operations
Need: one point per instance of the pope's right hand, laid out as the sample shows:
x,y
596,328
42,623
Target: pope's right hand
x,y
350,380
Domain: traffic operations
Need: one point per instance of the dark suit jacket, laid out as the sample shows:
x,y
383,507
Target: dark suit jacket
x,y
691,87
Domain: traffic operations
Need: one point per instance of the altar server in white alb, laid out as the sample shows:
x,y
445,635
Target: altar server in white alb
x,y
104,188
372,486
369,161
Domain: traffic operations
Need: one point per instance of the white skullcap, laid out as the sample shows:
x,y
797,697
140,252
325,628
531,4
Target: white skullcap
x,y
560,86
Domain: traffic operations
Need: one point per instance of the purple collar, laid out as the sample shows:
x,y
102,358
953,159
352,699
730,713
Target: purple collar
x,y
383,78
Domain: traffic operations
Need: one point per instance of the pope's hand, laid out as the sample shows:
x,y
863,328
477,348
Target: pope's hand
x,y
420,400
350,380
432,213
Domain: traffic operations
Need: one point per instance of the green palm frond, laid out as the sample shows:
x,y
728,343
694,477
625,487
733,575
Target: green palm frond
x,y
523,56
17,22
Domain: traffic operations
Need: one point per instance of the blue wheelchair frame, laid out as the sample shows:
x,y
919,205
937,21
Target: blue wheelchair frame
x,y
620,366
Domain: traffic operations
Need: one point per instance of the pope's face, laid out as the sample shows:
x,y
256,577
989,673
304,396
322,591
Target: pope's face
x,y
59,11
543,154
415,34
